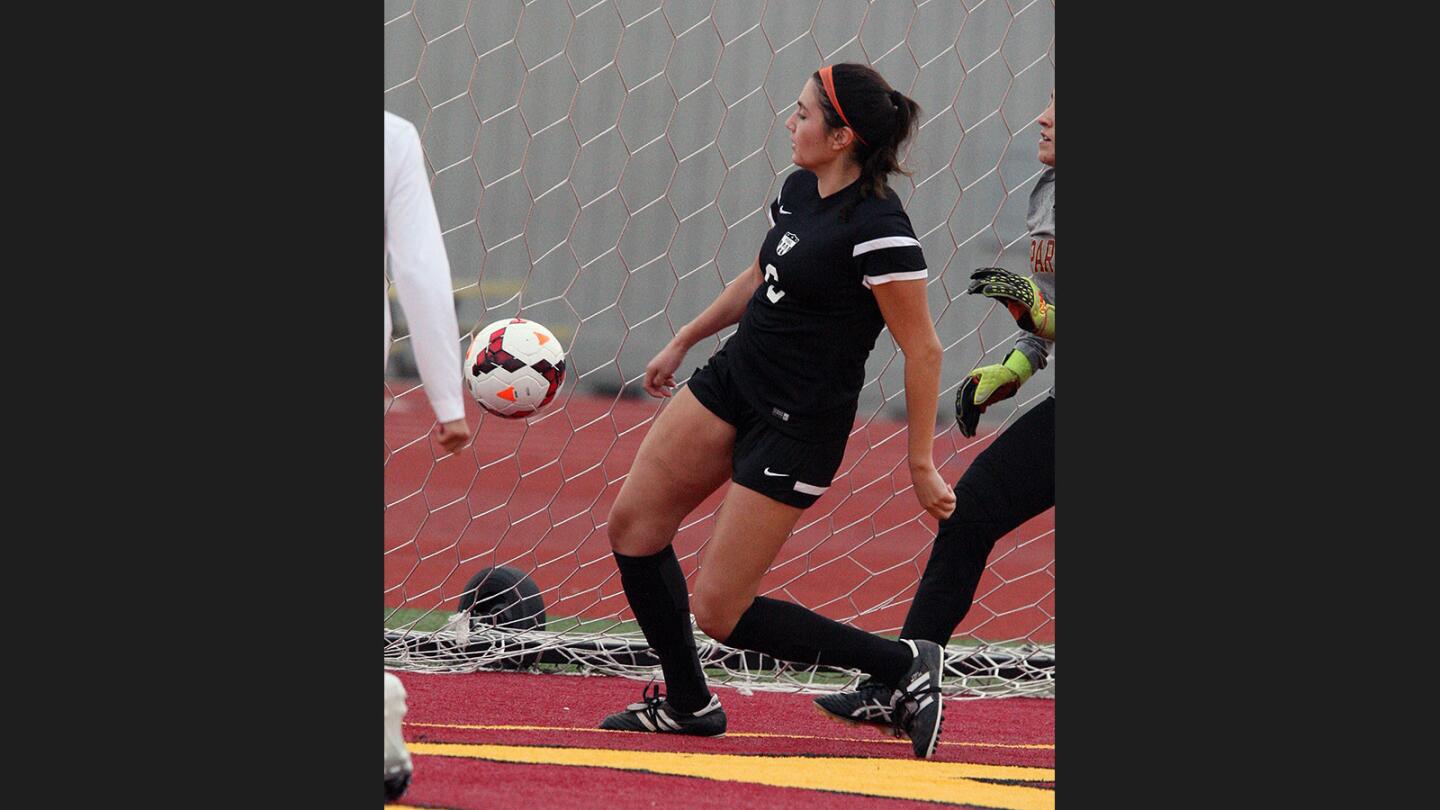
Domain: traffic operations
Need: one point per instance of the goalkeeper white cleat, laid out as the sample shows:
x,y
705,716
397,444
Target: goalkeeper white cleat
x,y
397,756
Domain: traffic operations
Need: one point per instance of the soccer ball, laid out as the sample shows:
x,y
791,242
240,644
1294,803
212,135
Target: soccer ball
x,y
514,367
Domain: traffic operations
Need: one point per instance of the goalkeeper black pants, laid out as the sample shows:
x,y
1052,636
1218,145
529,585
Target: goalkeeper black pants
x,y
1012,481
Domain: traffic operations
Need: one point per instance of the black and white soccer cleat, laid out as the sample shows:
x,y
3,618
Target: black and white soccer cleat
x,y
919,709
657,715
872,702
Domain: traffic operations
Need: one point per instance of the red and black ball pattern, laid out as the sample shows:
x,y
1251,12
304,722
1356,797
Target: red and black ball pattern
x,y
495,356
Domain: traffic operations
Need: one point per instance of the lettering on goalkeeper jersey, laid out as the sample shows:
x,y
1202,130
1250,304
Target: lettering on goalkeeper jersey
x,y
1042,255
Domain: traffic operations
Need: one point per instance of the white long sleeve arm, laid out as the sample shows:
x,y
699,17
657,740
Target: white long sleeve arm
x,y
421,270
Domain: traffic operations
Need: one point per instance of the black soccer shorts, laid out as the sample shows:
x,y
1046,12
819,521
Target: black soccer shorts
x,y
790,470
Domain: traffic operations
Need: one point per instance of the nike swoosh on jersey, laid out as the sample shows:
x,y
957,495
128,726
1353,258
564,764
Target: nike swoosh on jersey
x,y
776,475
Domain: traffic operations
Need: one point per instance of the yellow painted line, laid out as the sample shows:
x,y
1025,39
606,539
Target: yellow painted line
x,y
888,740
953,782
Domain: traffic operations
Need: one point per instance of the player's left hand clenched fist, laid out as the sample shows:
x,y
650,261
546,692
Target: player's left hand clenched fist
x,y
1020,295
933,493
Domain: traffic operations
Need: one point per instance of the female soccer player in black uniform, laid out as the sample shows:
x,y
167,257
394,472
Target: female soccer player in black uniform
x,y
772,411
1013,480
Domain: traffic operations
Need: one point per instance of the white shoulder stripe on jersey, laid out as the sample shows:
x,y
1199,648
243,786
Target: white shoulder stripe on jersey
x,y
885,242
911,275
778,204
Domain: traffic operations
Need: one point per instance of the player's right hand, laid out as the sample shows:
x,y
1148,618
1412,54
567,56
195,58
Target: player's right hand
x,y
453,435
660,371
987,385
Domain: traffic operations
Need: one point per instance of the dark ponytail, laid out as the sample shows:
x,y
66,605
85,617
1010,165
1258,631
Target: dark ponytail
x,y
882,117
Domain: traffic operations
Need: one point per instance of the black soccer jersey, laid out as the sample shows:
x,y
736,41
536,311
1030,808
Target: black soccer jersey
x,y
802,343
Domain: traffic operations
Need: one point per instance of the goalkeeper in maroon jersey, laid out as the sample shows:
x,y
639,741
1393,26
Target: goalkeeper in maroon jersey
x,y
1013,480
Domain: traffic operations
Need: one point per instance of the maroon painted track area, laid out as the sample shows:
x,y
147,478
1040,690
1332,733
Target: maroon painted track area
x,y
535,495
562,712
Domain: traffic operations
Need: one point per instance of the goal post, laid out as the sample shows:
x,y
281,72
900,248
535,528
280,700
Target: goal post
x,y
602,167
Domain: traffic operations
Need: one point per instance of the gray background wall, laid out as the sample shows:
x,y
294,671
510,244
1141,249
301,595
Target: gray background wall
x,y
603,167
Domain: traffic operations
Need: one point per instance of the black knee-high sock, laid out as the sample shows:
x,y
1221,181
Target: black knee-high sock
x,y
1012,481
655,586
790,632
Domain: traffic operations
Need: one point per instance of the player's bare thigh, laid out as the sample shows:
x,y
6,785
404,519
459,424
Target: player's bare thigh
x,y
749,532
684,457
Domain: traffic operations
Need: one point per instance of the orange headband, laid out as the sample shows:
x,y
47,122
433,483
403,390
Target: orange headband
x,y
829,82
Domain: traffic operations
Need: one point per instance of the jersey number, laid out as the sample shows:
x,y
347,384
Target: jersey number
x,y
773,294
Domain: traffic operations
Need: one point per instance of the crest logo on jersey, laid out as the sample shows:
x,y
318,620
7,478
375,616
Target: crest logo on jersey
x,y
786,242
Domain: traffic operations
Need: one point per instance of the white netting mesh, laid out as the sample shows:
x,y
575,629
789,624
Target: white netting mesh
x,y
602,168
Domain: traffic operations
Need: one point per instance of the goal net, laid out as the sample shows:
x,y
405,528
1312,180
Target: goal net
x,y
602,167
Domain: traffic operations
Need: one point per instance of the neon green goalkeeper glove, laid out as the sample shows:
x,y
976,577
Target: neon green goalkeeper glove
x,y
1020,295
987,385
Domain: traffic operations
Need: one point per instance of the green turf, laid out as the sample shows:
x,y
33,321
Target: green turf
x,y
430,621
